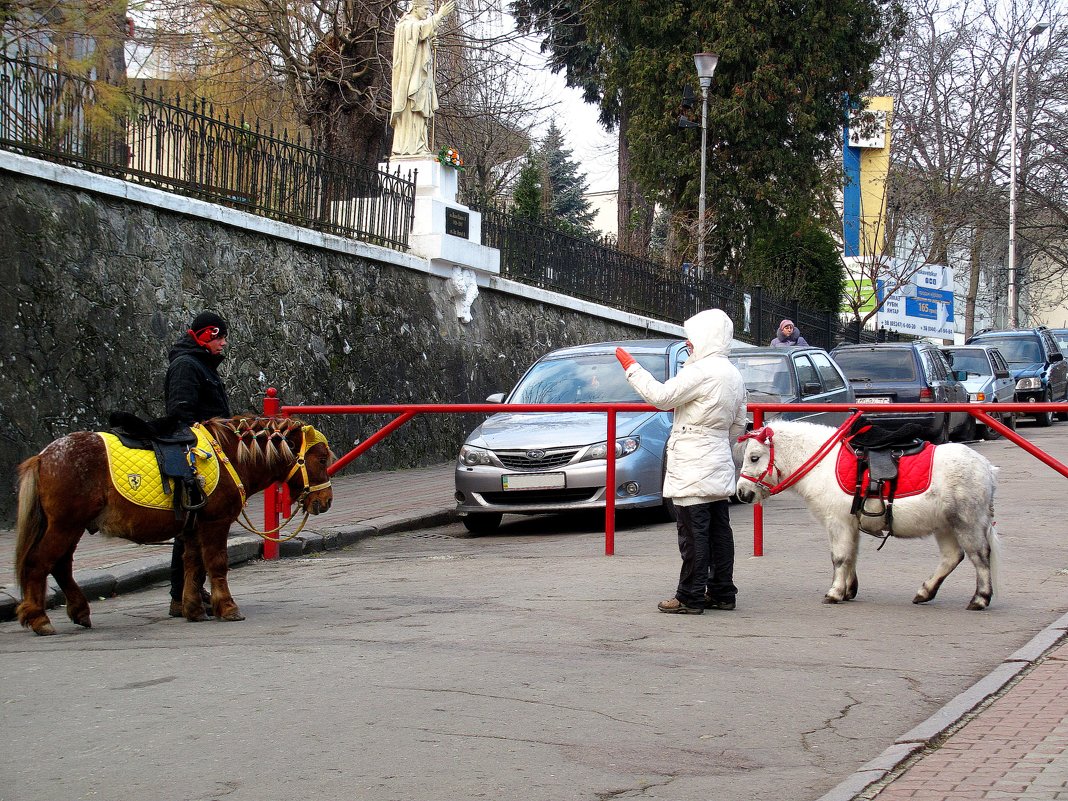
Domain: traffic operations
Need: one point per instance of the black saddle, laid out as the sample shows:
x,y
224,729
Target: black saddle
x,y
878,450
170,441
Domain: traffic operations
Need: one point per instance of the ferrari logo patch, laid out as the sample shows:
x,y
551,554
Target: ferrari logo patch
x,y
135,481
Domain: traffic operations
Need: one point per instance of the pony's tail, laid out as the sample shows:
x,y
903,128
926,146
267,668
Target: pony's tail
x,y
31,522
994,541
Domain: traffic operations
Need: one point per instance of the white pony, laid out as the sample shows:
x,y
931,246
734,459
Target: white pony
x,y
957,507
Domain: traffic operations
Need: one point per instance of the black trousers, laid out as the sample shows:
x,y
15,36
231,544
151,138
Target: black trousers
x,y
177,569
706,543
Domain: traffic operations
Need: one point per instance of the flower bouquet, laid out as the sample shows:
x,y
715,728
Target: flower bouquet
x,y
450,157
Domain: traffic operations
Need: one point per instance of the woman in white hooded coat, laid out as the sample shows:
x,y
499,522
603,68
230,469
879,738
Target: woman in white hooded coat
x,y
709,398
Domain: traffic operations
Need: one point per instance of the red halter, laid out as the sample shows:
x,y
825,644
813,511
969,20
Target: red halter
x,y
765,436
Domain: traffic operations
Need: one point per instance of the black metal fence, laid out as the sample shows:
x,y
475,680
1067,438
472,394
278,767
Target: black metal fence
x,y
185,148
538,255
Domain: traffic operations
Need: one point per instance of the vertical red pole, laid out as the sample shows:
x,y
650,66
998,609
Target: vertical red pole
x,y
758,510
610,488
272,405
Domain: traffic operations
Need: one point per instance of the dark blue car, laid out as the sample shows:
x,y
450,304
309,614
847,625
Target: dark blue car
x,y
1036,363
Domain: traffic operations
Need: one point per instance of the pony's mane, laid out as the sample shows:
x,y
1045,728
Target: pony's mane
x,y
256,438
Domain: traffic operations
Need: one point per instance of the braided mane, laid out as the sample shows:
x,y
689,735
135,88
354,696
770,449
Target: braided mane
x,y
258,438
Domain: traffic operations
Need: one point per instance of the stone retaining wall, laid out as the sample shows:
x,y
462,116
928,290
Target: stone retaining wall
x,y
96,288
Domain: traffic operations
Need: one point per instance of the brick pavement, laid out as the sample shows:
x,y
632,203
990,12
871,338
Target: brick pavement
x,y
1014,748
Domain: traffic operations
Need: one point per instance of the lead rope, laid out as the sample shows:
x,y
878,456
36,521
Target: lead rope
x,y
810,463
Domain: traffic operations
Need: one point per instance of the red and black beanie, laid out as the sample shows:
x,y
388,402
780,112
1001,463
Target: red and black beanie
x,y
207,326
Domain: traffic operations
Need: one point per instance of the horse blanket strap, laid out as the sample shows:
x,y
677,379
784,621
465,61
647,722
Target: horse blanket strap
x,y
220,454
137,475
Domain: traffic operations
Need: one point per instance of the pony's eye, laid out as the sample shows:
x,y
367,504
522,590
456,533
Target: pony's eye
x,y
754,458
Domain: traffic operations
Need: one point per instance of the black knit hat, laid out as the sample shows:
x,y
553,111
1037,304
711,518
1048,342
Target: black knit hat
x,y
207,326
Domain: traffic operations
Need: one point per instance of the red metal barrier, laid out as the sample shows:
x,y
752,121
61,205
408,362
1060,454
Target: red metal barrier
x,y
277,499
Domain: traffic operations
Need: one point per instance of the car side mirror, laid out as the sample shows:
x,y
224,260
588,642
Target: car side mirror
x,y
1056,357
811,388
496,397
1002,374
960,375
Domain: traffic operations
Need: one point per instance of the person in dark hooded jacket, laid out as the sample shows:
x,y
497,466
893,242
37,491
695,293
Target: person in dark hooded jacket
x,y
788,336
193,392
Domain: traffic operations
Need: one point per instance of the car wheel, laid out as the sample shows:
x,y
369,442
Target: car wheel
x,y
1010,420
484,523
667,509
967,430
1045,419
1063,416
989,433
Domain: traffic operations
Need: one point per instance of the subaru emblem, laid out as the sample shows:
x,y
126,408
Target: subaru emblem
x,y
535,456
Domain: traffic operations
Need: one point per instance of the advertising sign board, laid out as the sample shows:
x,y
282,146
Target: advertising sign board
x,y
923,307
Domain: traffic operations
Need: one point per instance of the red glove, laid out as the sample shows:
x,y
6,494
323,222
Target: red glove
x,y
624,358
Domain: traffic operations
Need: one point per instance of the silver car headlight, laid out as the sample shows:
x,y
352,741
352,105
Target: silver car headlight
x,y
1029,383
599,450
977,397
471,456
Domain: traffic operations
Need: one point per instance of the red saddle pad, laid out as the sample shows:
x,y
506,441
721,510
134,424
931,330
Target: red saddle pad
x,y
913,472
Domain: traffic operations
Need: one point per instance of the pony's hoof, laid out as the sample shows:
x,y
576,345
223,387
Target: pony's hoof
x,y
827,599
920,599
976,606
44,630
196,618
84,622
232,616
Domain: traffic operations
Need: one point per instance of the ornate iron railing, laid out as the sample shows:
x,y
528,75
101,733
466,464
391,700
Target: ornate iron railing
x,y
538,255
183,147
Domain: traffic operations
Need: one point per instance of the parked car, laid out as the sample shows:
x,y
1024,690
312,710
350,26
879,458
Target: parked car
x,y
1060,336
1037,364
988,379
794,375
534,463
908,372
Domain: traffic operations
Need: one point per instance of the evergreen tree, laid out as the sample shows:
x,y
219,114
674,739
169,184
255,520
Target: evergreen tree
x,y
526,194
551,189
775,103
567,207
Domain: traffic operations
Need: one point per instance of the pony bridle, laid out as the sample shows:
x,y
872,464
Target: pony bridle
x,y
309,438
765,437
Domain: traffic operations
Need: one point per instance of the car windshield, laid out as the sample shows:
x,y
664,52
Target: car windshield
x,y
769,374
1017,350
877,365
972,361
593,378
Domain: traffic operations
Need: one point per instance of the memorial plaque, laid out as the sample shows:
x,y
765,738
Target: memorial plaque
x,y
456,222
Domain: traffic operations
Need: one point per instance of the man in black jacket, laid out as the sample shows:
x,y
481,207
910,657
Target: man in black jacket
x,y
194,392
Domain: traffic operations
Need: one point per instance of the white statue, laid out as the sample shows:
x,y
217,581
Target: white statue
x,y
415,99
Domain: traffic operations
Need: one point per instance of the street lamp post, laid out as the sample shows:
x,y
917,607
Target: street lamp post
x,y
1013,299
706,66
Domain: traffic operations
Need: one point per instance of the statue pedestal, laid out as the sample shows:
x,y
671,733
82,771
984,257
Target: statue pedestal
x,y
447,233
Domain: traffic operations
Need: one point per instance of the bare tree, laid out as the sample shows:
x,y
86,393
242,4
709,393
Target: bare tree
x,y
331,61
948,186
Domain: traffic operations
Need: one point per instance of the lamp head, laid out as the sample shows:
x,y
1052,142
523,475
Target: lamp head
x,y
1041,26
706,66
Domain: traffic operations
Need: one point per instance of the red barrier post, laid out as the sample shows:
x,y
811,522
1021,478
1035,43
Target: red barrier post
x,y
758,510
272,405
610,488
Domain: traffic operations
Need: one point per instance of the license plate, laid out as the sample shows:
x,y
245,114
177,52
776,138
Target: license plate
x,y
873,400
533,481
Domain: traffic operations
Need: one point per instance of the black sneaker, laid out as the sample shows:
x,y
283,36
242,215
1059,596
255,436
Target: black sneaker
x,y
726,606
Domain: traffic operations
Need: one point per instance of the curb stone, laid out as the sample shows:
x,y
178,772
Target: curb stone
x,y
139,573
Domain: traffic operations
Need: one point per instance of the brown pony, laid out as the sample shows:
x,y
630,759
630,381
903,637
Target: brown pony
x,y
66,489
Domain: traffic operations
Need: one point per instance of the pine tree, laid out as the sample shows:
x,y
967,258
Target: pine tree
x,y
527,192
567,209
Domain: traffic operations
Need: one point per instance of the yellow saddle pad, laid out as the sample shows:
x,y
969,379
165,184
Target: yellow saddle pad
x,y
135,473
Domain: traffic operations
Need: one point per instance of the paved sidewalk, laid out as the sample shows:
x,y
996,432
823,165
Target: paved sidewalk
x,y
1006,737
365,505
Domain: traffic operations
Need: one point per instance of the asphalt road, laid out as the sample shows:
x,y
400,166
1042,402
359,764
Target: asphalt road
x,y
525,666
